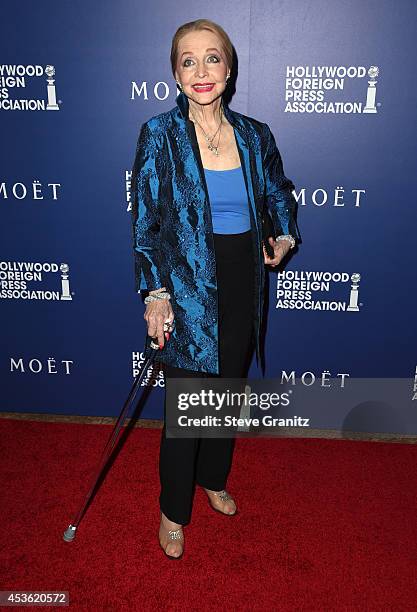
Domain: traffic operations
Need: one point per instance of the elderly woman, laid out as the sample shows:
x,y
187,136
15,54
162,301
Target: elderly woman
x,y
202,176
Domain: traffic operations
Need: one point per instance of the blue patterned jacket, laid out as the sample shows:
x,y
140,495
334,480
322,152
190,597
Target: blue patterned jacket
x,y
172,225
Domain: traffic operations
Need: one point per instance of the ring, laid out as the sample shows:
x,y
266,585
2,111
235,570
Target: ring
x,y
169,326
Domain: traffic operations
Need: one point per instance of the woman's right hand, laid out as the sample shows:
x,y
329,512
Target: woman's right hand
x,y
156,314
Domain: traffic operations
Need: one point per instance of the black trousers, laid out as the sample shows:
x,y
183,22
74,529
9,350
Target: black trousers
x,y
185,462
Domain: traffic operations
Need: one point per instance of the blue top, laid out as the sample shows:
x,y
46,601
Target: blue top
x,y
228,200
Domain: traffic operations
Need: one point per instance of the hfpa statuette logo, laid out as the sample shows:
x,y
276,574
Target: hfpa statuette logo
x,y
14,78
370,107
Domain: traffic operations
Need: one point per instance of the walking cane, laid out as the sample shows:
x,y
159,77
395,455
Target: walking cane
x,y
70,532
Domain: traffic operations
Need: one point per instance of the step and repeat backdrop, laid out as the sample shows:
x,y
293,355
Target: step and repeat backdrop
x,y
334,81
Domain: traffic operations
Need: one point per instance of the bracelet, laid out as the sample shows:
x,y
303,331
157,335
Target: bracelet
x,y
162,295
287,237
155,291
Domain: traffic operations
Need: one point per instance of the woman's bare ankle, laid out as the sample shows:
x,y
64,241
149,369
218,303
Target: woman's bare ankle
x,y
168,523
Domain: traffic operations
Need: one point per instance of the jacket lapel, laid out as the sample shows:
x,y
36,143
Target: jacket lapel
x,y
245,160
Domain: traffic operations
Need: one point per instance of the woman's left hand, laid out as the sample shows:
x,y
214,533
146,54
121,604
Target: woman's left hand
x,y
281,248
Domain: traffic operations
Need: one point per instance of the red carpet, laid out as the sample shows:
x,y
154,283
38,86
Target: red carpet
x,y
323,525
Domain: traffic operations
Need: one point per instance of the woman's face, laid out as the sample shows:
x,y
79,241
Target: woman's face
x,y
201,61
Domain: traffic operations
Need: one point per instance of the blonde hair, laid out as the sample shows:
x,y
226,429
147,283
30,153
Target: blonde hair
x,y
194,26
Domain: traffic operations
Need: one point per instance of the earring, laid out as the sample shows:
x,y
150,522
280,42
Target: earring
x,y
179,85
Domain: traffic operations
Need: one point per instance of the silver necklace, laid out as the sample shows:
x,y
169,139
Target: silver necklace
x,y
209,139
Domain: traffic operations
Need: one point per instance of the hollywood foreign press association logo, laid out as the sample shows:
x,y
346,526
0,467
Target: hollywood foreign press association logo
x,y
153,378
19,280
128,190
17,88
318,290
308,87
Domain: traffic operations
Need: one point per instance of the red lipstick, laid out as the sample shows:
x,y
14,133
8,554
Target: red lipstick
x,y
203,87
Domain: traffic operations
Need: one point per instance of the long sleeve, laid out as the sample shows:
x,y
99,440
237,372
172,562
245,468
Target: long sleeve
x,y
278,190
145,213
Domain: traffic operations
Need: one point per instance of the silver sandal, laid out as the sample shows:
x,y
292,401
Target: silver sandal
x,y
174,535
224,496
